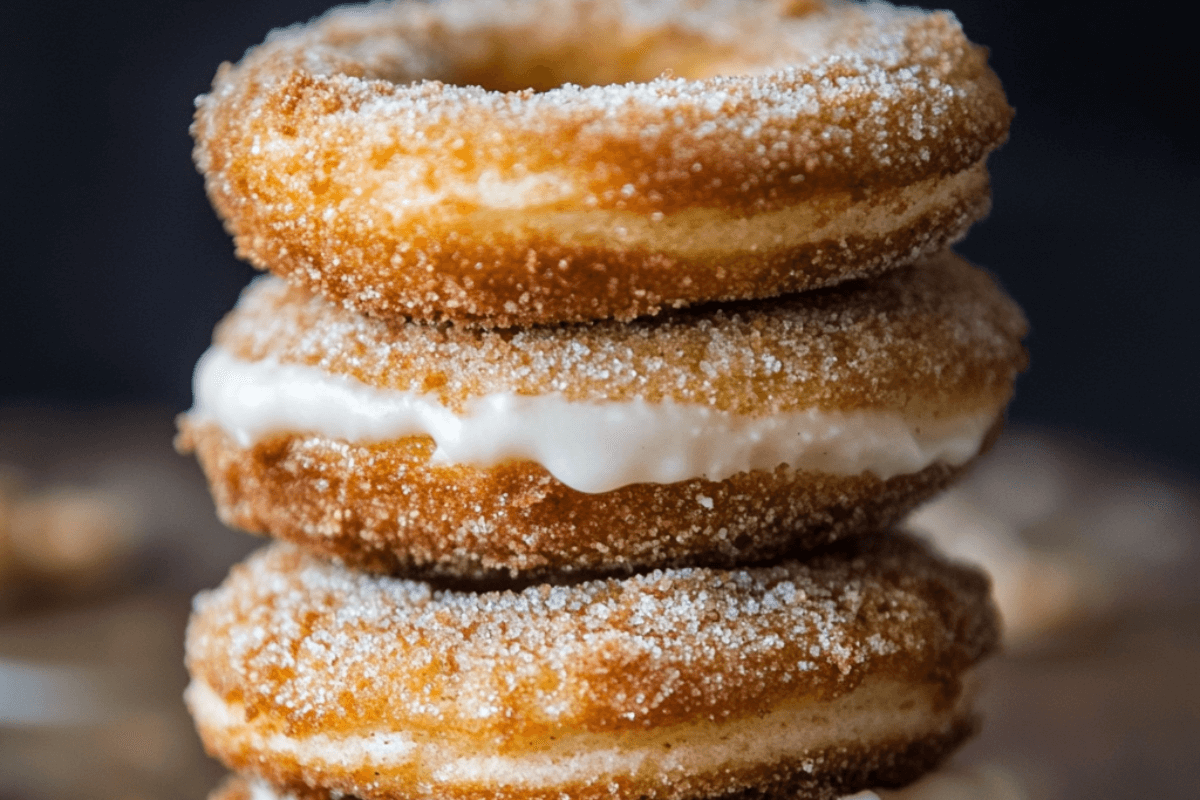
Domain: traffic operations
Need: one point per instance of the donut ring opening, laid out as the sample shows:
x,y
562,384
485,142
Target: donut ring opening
x,y
536,46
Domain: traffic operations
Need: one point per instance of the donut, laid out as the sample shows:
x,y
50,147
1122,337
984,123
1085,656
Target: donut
x,y
715,436
806,679
517,162
975,783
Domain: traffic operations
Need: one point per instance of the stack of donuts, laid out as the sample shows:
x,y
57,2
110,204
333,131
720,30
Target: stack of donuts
x,y
604,343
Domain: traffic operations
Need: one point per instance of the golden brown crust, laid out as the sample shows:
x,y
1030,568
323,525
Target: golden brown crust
x,y
384,508
234,787
935,340
303,648
437,201
931,341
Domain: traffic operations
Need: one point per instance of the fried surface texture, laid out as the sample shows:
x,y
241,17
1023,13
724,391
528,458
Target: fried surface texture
x,y
384,508
849,670
481,161
926,344
934,339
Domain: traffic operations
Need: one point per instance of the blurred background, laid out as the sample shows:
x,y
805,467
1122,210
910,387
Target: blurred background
x,y
115,270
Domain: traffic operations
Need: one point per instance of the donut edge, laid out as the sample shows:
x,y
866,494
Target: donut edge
x,y
828,774
538,280
431,270
382,509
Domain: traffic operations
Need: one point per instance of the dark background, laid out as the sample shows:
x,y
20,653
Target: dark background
x,y
114,268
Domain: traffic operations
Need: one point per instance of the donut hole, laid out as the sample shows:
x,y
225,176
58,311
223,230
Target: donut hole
x,y
511,48
600,44
513,64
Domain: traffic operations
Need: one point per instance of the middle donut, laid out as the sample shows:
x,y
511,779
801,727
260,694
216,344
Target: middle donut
x,y
714,436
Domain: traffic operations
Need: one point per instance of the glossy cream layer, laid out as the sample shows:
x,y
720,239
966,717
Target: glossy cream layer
x,y
591,447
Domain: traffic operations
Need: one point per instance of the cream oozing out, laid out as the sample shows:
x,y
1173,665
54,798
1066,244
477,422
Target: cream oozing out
x,y
591,447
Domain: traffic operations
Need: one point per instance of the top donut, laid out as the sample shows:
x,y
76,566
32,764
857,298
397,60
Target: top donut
x,y
516,162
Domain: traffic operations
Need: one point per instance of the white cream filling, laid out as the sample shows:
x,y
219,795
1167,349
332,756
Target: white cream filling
x,y
591,447
878,711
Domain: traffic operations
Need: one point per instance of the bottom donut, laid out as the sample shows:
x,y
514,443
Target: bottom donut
x,y
970,783
849,670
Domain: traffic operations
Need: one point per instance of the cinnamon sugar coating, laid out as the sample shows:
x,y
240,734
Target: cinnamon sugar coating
x,y
327,649
294,653
933,340
384,508
392,158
